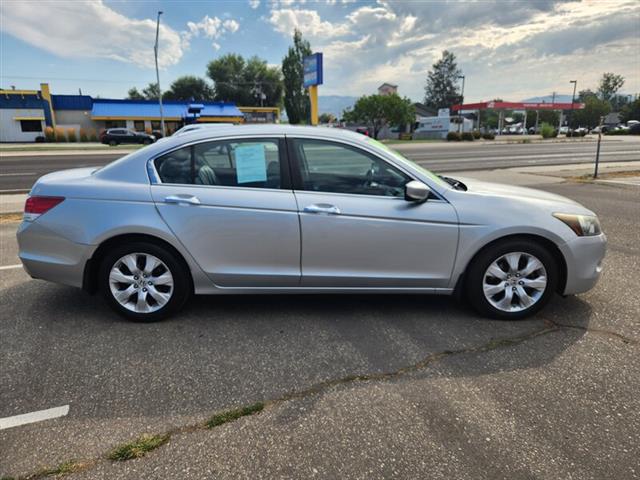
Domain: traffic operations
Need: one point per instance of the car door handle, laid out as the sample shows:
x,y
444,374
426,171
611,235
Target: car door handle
x,y
322,208
182,199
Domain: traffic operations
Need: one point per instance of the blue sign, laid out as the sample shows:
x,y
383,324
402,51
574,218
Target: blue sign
x,y
312,68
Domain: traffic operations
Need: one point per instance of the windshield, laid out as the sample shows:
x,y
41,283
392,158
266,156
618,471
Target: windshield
x,y
401,158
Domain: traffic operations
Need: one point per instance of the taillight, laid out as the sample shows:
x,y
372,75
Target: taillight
x,y
37,205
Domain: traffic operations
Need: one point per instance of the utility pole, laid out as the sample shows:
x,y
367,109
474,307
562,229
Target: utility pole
x,y
155,49
573,99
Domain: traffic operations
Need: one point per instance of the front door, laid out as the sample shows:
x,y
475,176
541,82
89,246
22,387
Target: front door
x,y
229,202
358,230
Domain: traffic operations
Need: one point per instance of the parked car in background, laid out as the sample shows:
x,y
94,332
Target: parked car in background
x,y
286,209
600,129
563,130
116,136
634,128
363,131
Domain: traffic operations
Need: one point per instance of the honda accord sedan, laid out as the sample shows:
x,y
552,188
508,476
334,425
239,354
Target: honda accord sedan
x,y
283,209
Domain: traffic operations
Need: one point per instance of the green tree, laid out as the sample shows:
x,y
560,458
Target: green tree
x,y
590,115
246,83
326,118
150,92
609,85
631,111
134,94
189,87
441,90
378,111
296,97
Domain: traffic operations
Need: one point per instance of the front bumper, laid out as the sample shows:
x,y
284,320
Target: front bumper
x,y
584,257
48,255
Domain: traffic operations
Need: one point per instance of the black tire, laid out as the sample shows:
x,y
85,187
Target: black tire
x,y
179,271
146,141
482,261
113,143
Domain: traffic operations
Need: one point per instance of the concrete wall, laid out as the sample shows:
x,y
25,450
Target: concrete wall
x,y
10,129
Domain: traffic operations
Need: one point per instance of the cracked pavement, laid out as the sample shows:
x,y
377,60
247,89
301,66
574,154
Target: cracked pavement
x,y
356,386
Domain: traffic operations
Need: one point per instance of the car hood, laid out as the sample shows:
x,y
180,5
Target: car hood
x,y
512,192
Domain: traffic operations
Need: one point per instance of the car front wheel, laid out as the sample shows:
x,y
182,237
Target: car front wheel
x,y
512,280
143,282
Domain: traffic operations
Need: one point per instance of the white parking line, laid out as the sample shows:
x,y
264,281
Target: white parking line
x,y
11,267
33,417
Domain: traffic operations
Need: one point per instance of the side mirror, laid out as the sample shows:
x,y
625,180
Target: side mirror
x,y
415,191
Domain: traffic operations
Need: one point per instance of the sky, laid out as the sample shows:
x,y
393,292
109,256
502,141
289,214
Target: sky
x,y
508,49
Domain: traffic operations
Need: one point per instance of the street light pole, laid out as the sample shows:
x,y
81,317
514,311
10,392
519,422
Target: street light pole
x,y
573,99
155,50
461,102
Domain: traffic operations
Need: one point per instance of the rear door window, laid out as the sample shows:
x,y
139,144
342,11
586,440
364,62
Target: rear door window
x,y
254,163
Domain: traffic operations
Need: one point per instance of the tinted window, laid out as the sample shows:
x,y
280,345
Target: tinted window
x,y
31,125
332,167
246,163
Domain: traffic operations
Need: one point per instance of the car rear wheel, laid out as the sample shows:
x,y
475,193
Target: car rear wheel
x,y
143,282
512,280
146,141
113,143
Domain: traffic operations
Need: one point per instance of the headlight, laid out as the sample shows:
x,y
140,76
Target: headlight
x,y
582,225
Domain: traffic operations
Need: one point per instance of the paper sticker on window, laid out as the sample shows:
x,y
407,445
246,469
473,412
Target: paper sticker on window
x,y
251,165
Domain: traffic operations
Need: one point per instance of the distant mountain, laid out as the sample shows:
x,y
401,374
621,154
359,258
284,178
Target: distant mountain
x,y
549,99
335,104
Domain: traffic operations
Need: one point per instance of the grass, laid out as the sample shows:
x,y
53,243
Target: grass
x,y
232,415
10,218
138,448
61,470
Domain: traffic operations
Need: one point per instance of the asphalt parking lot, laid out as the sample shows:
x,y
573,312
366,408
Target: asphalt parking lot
x,y
354,386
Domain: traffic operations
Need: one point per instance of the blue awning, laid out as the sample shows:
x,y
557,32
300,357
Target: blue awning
x,y
132,109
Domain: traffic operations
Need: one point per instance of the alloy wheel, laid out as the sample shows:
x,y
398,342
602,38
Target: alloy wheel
x,y
141,282
514,282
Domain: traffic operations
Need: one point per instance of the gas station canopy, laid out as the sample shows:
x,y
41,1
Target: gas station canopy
x,y
518,106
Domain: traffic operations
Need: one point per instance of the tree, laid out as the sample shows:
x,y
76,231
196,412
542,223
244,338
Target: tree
x,y
134,94
151,92
296,97
609,85
590,115
631,111
189,87
377,111
441,90
247,83
326,118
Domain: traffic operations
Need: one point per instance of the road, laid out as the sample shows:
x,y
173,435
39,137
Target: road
x,y
19,172
355,386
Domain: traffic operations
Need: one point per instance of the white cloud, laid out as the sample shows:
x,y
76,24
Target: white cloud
x,y
254,3
308,21
212,27
231,26
216,46
514,50
90,29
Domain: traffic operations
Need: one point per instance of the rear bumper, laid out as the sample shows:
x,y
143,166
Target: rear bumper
x,y
584,257
50,256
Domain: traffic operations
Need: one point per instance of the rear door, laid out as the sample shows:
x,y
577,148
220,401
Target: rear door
x,y
358,230
230,203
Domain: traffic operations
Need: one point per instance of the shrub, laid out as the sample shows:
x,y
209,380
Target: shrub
x,y
467,136
60,136
617,132
93,136
71,135
547,131
83,135
49,134
453,137
476,134
488,136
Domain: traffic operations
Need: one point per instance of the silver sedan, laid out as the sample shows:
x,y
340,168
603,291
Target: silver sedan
x,y
281,209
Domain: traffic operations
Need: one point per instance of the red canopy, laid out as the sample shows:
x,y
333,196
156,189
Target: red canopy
x,y
518,106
